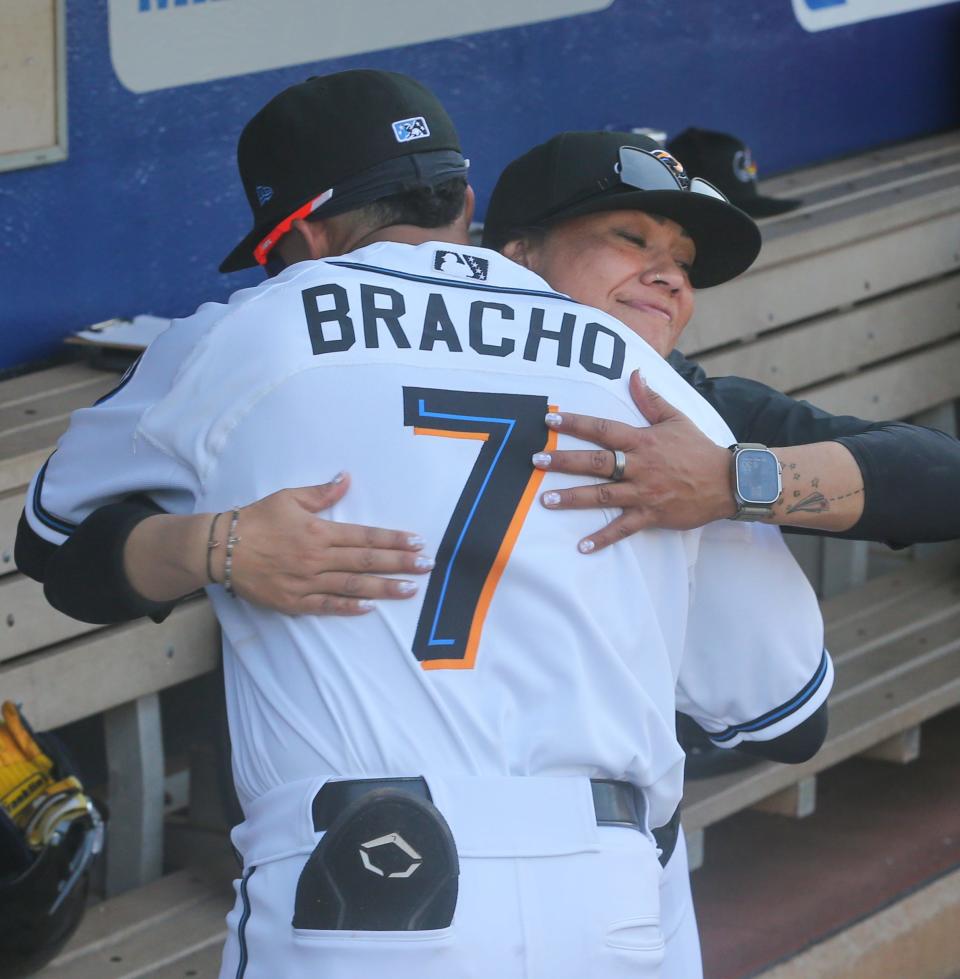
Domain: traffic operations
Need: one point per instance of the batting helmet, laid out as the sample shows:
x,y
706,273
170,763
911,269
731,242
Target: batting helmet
x,y
50,835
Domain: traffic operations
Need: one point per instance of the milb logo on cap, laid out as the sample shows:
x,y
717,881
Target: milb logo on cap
x,y
406,129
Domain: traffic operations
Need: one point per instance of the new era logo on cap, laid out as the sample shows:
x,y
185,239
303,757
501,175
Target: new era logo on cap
x,y
463,265
406,129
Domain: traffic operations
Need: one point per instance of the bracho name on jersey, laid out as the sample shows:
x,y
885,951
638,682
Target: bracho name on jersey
x,y
548,332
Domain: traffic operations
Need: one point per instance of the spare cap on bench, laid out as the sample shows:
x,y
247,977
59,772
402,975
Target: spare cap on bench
x,y
727,163
579,173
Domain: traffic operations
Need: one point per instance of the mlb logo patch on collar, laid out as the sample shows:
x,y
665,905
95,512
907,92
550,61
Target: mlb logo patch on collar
x,y
406,129
460,264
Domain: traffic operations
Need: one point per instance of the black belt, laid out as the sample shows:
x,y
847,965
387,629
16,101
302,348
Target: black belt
x,y
615,803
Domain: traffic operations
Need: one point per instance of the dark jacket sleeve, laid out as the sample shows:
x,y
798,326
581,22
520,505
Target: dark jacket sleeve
x,y
84,577
911,474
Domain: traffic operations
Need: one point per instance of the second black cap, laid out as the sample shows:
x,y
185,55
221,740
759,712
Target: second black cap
x,y
728,164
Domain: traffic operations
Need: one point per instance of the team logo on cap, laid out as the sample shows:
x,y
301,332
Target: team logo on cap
x,y
264,194
675,165
744,169
462,265
406,129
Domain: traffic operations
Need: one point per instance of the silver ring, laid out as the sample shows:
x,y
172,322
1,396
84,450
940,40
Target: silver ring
x,y
619,464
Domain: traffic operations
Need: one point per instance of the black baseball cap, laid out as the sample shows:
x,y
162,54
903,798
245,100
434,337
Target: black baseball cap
x,y
577,173
333,143
728,164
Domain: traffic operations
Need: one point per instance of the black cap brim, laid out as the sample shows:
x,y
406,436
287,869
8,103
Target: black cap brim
x,y
767,207
242,256
727,240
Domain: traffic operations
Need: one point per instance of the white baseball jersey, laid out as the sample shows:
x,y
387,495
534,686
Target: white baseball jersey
x,y
426,371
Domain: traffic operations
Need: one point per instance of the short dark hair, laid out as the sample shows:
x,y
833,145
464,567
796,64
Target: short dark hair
x,y
534,233
423,207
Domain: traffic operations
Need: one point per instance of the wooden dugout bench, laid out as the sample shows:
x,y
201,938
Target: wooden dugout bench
x,y
854,304
63,670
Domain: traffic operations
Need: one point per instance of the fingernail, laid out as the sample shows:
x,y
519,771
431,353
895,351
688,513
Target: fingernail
x,y
365,604
423,563
551,499
552,418
339,478
415,541
406,587
540,458
586,546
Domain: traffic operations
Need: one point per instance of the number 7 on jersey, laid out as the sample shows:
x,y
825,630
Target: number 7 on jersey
x,y
488,516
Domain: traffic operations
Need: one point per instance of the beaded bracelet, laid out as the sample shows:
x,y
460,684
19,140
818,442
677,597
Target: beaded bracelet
x,y
211,544
232,540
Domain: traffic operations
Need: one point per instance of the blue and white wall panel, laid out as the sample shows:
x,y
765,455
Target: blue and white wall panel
x,y
138,217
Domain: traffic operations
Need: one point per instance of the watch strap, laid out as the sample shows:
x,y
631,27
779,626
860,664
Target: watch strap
x,y
747,512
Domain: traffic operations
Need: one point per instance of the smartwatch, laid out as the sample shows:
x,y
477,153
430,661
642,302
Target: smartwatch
x,y
755,477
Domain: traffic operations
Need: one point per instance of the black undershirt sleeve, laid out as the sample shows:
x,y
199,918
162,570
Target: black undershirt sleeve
x,y
84,577
899,462
31,552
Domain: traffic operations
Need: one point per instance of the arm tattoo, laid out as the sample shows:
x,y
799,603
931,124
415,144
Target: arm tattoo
x,y
815,501
812,503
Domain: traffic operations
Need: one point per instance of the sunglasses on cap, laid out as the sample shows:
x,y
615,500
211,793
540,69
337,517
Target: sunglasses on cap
x,y
266,245
638,169
658,170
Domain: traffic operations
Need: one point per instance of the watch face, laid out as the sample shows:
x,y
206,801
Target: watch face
x,y
758,476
